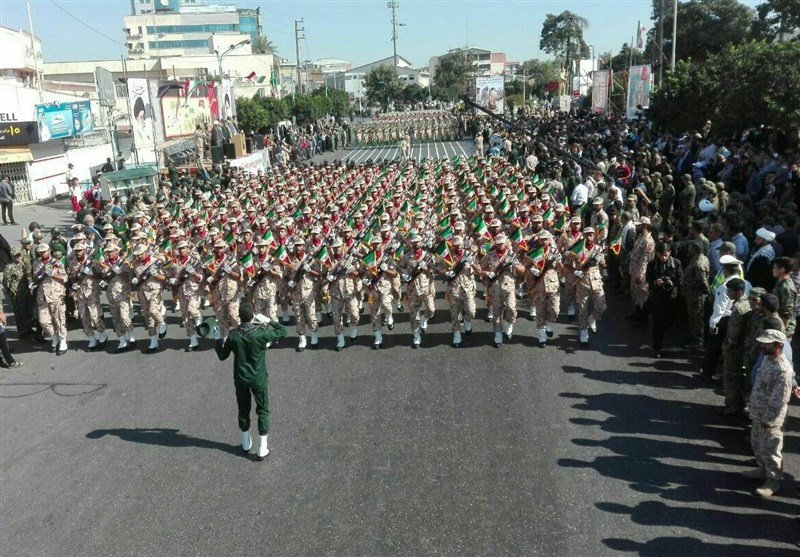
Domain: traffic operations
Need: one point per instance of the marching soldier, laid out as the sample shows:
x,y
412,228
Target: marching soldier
x,y
565,243
544,286
301,282
420,287
643,252
187,282
83,274
378,281
49,279
264,283
116,278
461,289
342,280
500,268
589,287
222,277
148,278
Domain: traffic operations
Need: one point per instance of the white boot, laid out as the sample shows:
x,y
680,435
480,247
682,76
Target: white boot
x,y
423,323
153,343
301,344
456,338
263,450
592,324
378,339
54,343
285,317
533,313
131,337
498,338
102,337
353,332
314,339
319,317
339,342
162,328
490,315
247,441
193,342
92,342
123,343
416,339
548,327
163,310
584,336
508,329
571,310
177,306
62,344
390,321
468,327
542,336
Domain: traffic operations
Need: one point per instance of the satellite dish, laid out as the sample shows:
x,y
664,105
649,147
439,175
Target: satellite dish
x,y
165,3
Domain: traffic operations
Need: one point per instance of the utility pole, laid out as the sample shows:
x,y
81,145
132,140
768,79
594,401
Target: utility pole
x,y
661,45
298,30
33,53
393,6
674,33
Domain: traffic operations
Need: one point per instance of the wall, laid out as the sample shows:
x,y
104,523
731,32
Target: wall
x,y
48,170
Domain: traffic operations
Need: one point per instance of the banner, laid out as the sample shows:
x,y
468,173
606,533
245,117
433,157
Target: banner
x,y
639,84
182,115
600,91
227,104
490,93
57,121
142,114
18,133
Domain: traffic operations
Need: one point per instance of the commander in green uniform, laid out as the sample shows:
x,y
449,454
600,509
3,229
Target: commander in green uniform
x,y
248,342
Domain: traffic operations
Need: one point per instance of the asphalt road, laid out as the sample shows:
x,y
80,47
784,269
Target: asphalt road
x,y
419,152
475,451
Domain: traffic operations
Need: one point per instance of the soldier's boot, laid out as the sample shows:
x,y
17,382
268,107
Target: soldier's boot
x,y
400,305
319,317
423,323
301,343
519,293
498,339
285,317
177,306
456,339
592,324
92,342
416,339
542,337
770,488
131,338
102,338
339,343
378,340
353,334
532,315
468,328
62,346
54,343
508,330
584,337
163,310
755,474
390,322
153,347
123,343
571,311
314,340
193,344
490,316
162,330
328,310
460,317
263,450
205,303
247,441
548,327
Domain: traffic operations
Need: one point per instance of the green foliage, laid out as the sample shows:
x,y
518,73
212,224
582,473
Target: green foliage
x,y
626,54
413,93
562,36
382,85
262,113
539,73
262,45
259,114
742,86
454,74
777,19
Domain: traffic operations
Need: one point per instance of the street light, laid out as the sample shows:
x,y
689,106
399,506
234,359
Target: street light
x,y
224,54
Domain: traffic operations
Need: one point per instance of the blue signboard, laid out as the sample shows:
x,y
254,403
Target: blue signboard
x,y
60,120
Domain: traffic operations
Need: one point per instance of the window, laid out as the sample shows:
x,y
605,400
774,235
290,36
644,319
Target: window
x,y
160,45
119,90
173,29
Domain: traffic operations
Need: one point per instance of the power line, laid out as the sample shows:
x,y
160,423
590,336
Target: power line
x,y
85,24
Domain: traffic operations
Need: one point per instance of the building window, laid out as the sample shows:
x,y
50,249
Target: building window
x,y
175,29
119,90
161,45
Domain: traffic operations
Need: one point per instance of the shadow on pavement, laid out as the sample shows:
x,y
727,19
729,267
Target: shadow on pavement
x,y
164,437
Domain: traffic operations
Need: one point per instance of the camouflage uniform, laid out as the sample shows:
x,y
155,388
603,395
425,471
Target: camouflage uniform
x,y
225,294
188,291
342,291
642,253
264,288
461,290
50,297
787,299
733,379
303,292
149,293
590,285
768,405
420,287
118,293
15,282
545,293
695,291
501,290
86,290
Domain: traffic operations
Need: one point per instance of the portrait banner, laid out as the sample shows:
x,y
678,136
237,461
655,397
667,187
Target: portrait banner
x,y
490,93
639,84
600,91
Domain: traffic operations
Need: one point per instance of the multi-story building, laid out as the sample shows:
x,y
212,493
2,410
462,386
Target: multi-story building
x,y
352,81
485,61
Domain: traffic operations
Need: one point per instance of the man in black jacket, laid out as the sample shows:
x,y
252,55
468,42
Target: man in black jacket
x,y
664,276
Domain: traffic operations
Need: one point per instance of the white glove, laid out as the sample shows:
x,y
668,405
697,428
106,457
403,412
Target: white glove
x,y
88,272
173,281
266,266
306,267
449,274
365,282
384,267
152,271
134,281
226,269
578,274
330,278
490,275
349,269
468,260
190,269
251,283
422,265
116,269
290,284
103,284
210,280
405,277
535,272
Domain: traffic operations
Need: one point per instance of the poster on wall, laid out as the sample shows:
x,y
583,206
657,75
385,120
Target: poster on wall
x,y
600,92
638,90
490,93
60,120
142,114
227,104
182,115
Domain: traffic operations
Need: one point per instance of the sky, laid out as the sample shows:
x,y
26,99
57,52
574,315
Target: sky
x,y
359,31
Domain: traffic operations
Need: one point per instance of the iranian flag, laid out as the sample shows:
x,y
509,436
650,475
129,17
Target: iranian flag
x,y
548,215
371,261
517,238
322,256
166,246
444,223
537,180
481,229
504,207
578,248
616,245
247,262
443,251
281,255
447,233
255,78
98,255
560,223
472,206
539,257
399,253
270,239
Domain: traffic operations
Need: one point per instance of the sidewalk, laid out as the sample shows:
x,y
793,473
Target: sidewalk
x,y
58,213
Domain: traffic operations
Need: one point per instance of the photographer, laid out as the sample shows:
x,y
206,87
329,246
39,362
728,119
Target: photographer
x,y
664,276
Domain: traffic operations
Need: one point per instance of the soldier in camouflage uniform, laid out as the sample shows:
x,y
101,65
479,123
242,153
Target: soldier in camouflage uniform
x,y
116,279
378,282
49,278
500,267
222,277
186,279
263,285
15,282
769,403
418,276
342,280
543,284
301,276
461,289
695,291
643,251
84,278
733,379
590,284
148,277
787,294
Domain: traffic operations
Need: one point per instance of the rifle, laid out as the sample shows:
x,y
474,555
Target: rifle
x,y
504,265
142,277
40,276
299,273
417,272
215,273
459,266
596,252
260,275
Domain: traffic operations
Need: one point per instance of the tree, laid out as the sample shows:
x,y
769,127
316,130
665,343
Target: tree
x,y
454,73
262,45
705,27
777,20
383,85
259,114
562,36
413,93
539,73
736,89
626,57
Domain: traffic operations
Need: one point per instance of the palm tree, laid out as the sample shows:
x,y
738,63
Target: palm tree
x,y
262,45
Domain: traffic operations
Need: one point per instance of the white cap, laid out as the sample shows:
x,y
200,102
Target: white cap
x,y
765,234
